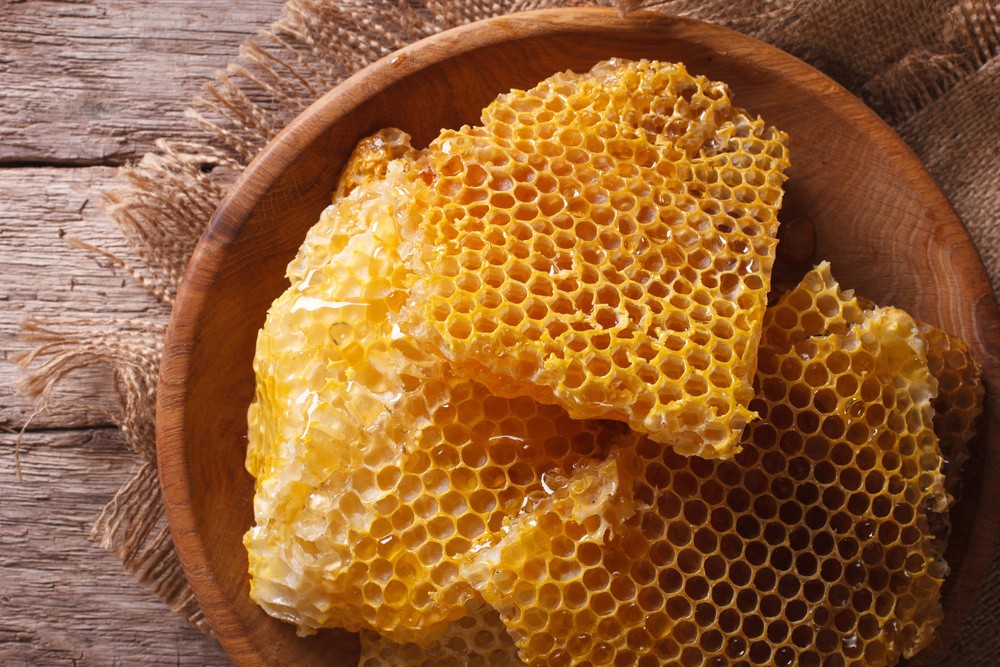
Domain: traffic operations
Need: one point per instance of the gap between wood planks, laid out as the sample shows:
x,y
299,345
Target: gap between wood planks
x,y
89,86
63,599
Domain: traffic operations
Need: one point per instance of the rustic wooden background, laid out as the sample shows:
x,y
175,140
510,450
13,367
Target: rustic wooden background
x,y
85,85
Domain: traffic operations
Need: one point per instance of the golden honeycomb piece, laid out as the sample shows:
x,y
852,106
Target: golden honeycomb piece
x,y
958,404
532,576
376,466
306,433
343,282
959,401
958,375
811,547
956,407
438,434
816,306
604,242
477,640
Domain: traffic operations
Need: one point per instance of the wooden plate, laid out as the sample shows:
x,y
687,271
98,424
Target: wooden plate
x,y
878,217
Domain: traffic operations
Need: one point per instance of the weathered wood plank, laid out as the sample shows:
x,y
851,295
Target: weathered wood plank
x,y
84,82
64,600
41,275
98,81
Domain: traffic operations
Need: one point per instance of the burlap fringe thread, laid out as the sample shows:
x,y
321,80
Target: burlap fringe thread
x,y
933,75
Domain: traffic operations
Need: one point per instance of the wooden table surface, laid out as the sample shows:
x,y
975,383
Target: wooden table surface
x,y
85,86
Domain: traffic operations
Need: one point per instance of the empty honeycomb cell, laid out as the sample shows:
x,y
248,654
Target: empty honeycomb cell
x,y
612,200
772,562
479,639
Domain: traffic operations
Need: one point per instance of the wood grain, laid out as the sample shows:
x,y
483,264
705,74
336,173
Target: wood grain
x,y
42,275
879,218
63,599
98,81
85,82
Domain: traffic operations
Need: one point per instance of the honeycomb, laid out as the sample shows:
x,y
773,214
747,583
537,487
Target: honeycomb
x,y
814,307
811,547
959,401
306,433
454,462
604,242
465,499
477,640
376,466
324,326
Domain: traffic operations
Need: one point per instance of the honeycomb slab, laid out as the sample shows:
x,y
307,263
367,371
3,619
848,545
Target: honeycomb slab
x,y
959,401
818,305
812,547
604,242
377,467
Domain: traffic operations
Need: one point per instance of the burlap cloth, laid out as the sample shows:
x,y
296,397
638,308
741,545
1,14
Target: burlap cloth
x,y
931,68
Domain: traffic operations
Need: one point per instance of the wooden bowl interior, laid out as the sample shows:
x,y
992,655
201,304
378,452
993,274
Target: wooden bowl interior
x,y
878,218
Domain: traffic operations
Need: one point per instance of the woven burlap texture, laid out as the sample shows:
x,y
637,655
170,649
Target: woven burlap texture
x,y
931,68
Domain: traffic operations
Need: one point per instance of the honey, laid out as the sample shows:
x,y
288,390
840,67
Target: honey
x,y
522,403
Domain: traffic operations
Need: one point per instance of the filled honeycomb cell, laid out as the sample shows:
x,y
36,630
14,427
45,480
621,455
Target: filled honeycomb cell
x,y
604,242
811,547
377,468
477,640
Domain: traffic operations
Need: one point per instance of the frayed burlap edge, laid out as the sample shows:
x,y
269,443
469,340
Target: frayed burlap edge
x,y
162,204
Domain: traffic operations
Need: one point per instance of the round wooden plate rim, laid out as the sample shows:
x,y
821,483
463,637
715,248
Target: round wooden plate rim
x,y
262,172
